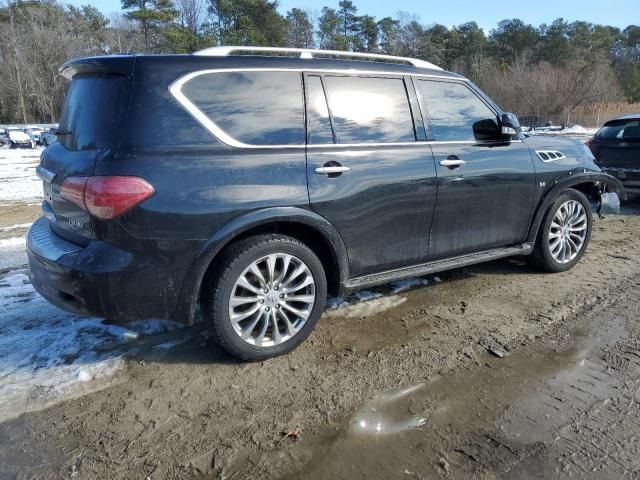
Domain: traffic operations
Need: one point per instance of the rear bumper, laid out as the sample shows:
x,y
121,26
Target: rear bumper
x,y
98,280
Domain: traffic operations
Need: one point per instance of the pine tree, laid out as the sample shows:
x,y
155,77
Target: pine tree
x,y
152,15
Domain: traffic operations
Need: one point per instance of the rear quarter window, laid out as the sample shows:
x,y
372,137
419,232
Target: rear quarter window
x,y
255,108
92,111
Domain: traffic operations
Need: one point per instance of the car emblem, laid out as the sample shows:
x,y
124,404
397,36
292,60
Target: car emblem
x,y
75,223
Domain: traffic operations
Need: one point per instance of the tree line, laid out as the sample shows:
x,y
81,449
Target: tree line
x,y
549,68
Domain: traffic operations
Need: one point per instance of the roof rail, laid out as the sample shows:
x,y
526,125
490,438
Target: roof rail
x,y
309,53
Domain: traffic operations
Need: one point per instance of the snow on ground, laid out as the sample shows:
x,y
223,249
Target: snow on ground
x,y
48,355
18,181
12,254
577,131
18,226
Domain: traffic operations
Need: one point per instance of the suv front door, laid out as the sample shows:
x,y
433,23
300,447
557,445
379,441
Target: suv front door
x,y
382,203
486,185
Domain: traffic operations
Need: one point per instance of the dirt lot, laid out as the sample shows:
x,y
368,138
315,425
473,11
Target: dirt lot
x,y
488,371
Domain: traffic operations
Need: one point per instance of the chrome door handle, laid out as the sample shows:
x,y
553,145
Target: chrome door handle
x,y
452,163
330,170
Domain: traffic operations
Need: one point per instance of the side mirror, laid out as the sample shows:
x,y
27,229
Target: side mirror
x,y
509,125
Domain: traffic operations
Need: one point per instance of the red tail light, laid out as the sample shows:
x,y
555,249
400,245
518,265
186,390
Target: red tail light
x,y
588,142
106,197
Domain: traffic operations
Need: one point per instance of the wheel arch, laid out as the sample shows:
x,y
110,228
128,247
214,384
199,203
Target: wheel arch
x,y
588,183
304,225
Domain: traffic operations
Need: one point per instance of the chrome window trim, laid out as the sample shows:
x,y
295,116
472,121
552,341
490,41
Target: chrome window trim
x,y
176,91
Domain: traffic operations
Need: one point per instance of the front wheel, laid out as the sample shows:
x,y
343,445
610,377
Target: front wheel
x,y
564,233
265,297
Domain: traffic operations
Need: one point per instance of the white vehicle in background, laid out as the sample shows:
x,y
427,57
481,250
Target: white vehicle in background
x,y
35,134
19,139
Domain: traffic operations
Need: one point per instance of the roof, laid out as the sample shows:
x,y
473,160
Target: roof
x,y
125,64
313,53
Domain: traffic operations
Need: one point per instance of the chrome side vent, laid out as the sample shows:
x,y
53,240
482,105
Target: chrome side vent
x,y
550,155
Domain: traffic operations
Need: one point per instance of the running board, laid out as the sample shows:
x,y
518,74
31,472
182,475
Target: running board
x,y
437,266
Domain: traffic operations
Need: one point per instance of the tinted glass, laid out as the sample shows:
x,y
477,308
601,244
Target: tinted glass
x,y
369,110
92,110
455,113
319,123
259,108
615,129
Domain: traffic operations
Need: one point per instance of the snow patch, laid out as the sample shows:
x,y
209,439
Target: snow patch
x,y
48,355
367,308
17,226
11,243
18,180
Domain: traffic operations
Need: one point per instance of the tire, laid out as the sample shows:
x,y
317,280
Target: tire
x,y
244,274
559,249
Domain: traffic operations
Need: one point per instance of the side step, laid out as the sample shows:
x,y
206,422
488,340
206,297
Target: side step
x,y
437,266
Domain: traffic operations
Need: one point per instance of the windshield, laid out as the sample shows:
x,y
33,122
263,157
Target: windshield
x,y
92,111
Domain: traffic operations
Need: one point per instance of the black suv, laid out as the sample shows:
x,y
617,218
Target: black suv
x,y
616,147
251,184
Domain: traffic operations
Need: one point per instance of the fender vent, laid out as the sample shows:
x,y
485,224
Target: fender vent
x,y
550,155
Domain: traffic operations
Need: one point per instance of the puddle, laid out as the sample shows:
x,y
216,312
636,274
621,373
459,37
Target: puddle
x,y
494,414
386,414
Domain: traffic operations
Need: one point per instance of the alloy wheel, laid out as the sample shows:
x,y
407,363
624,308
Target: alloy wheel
x,y
272,300
568,231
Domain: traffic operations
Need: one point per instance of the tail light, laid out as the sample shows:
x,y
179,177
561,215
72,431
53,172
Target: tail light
x,y
589,142
106,197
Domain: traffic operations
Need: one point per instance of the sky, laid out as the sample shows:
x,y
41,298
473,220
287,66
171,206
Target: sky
x,y
487,13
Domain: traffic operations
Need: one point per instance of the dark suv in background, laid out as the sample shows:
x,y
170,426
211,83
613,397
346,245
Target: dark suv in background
x,y
616,147
252,183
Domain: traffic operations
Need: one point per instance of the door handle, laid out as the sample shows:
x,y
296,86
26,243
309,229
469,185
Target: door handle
x,y
331,170
452,163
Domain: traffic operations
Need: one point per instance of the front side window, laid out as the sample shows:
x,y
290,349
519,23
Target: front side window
x,y
455,113
256,108
369,110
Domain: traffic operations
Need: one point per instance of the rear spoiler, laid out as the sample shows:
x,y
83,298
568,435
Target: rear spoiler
x,y
111,64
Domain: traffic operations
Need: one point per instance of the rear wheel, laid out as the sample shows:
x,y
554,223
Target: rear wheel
x,y
564,233
265,297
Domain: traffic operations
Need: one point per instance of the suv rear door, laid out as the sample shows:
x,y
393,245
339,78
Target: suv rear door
x,y
88,132
486,186
382,204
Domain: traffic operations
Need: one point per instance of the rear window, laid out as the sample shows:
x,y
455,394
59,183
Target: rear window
x,y
614,130
256,108
92,111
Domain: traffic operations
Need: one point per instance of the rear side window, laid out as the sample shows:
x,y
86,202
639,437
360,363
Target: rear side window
x,y
455,113
92,111
369,110
615,130
257,108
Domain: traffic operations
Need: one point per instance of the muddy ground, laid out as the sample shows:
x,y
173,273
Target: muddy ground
x,y
488,371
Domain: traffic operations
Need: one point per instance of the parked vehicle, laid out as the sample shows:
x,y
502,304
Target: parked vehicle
x,y
35,133
48,137
19,139
271,181
616,147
